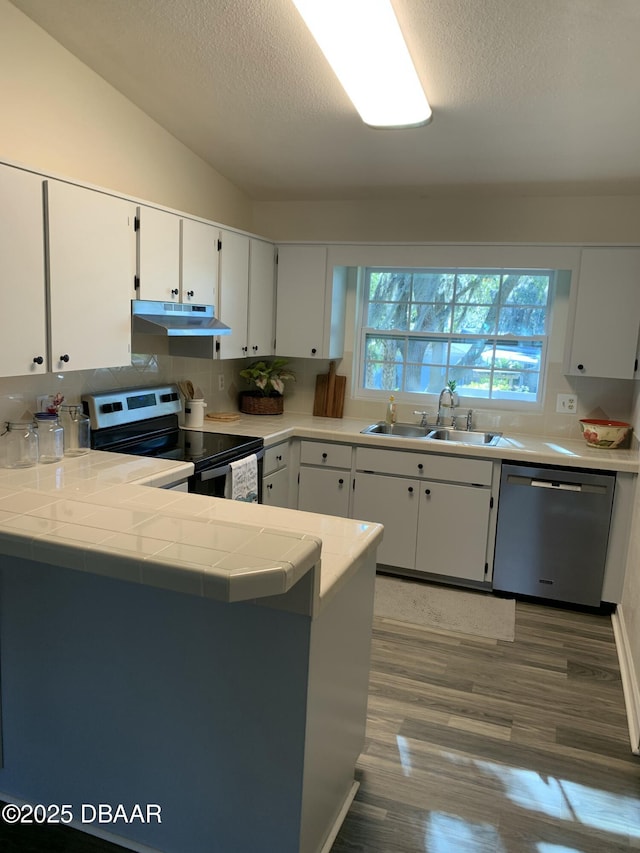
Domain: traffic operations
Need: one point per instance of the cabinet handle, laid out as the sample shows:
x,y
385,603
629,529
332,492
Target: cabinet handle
x,y
255,349
427,491
174,292
190,293
269,485
341,482
314,351
38,359
410,490
324,455
64,358
278,458
581,367
420,466
245,349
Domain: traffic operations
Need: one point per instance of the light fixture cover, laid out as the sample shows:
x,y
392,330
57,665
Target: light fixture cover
x,y
364,45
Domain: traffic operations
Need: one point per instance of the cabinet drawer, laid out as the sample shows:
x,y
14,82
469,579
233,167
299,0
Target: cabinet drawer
x,y
276,457
455,469
325,453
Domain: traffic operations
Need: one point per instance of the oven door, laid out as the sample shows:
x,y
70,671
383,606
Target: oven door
x,y
213,481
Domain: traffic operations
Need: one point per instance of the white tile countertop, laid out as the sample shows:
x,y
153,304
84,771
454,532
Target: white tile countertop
x,y
96,513
574,453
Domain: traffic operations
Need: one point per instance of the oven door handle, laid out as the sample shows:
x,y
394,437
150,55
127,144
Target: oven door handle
x,y
223,470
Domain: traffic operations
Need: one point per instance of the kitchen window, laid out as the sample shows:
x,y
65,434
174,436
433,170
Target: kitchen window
x,y
486,329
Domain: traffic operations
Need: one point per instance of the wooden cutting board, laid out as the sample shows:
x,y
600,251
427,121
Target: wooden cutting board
x,y
330,390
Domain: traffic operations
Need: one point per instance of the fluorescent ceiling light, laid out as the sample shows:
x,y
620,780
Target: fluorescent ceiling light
x,y
362,42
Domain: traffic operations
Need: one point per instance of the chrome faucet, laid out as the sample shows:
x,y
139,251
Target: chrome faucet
x,y
469,420
424,418
451,406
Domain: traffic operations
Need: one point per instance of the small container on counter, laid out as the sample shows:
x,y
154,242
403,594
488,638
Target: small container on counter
x,y
77,430
194,413
50,437
20,444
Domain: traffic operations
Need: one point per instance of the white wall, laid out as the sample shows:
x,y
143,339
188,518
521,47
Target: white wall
x,y
464,218
60,117
630,605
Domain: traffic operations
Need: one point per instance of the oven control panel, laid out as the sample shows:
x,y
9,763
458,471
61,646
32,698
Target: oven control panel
x,y
125,406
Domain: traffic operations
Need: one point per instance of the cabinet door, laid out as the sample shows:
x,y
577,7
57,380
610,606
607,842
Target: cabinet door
x,y
275,488
198,262
23,343
234,293
324,490
301,289
91,266
261,298
453,528
607,316
158,255
394,502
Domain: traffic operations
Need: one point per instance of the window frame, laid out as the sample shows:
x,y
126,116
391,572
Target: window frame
x,y
427,398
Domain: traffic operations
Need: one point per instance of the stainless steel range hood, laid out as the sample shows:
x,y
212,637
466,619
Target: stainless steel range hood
x,y
175,320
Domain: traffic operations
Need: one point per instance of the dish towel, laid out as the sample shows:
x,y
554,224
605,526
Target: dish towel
x,y
244,480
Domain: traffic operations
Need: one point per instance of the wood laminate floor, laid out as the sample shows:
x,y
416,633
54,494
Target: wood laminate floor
x,y
478,746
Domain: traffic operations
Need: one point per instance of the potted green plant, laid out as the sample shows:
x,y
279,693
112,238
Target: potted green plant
x,y
267,379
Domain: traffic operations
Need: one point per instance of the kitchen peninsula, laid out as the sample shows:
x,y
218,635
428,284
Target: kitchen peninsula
x,y
171,650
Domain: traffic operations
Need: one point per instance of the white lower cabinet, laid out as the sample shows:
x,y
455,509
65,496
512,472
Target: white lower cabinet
x,y
453,526
324,478
394,502
324,490
275,488
276,471
437,521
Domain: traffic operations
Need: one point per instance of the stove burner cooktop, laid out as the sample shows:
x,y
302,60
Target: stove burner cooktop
x,y
144,422
204,449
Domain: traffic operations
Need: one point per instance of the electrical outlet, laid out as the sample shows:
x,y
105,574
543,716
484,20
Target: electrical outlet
x,y
221,382
567,404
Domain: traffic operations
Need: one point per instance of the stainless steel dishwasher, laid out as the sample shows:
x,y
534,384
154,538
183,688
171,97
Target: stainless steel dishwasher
x,y
552,532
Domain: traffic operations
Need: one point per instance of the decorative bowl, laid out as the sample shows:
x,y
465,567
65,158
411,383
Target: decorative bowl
x,y
606,434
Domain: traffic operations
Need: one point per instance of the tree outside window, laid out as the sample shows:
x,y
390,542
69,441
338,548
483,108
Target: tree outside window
x,y
487,329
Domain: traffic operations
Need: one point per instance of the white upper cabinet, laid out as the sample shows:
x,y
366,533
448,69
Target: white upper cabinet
x,y
91,268
23,344
198,262
310,304
158,239
261,298
246,301
606,315
233,300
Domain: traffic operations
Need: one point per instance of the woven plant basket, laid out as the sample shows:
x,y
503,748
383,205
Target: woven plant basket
x,y
252,404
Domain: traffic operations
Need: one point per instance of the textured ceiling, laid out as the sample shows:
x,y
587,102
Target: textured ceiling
x,y
538,96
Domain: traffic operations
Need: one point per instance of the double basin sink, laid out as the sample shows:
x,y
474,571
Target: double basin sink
x,y
454,436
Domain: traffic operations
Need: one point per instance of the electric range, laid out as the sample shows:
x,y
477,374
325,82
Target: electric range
x,y
144,422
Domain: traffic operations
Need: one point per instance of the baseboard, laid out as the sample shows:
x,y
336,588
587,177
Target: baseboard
x,y
630,685
335,829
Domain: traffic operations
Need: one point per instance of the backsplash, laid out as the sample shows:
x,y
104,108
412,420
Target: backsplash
x,y
605,398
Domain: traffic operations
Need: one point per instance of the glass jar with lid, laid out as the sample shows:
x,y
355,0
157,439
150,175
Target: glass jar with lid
x,y
50,437
77,431
20,444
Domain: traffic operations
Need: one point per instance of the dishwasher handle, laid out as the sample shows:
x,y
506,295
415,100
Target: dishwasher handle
x,y
556,485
